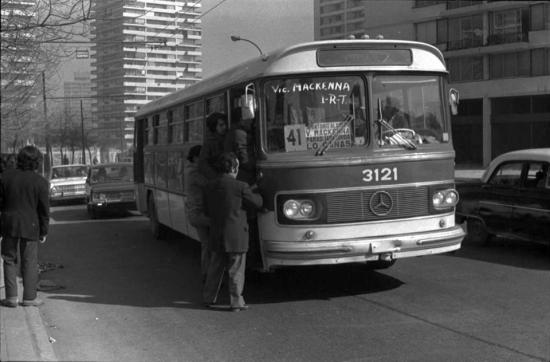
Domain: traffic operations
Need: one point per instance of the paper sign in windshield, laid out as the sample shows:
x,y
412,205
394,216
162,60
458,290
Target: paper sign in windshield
x,y
300,138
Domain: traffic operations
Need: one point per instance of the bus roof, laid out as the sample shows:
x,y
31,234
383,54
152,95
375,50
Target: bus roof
x,y
303,58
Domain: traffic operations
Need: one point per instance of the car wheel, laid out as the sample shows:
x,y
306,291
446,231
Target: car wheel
x,y
158,230
92,213
477,232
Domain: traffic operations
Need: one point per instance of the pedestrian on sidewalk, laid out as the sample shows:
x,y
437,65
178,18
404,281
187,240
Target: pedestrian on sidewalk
x,y
194,204
24,219
226,200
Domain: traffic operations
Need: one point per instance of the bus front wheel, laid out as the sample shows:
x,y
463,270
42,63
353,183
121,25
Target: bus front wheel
x,y
158,230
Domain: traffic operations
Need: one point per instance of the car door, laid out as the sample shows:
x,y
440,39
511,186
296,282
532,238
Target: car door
x,y
531,213
499,196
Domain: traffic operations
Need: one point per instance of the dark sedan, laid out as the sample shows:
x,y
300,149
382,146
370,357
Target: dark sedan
x,y
110,187
511,200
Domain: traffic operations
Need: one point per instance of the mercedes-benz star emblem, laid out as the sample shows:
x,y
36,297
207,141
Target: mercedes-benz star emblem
x,y
381,203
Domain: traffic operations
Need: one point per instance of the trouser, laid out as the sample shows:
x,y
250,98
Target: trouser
x,y
202,223
205,251
28,252
235,264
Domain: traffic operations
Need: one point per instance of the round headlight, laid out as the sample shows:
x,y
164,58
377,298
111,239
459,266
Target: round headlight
x,y
306,208
53,190
451,198
438,199
291,208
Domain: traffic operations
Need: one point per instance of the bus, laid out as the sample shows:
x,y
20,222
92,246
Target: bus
x,y
353,149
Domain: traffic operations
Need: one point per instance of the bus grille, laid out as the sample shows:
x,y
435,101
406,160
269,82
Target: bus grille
x,y
354,206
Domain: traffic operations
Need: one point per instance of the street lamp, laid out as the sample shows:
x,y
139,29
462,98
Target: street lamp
x,y
237,38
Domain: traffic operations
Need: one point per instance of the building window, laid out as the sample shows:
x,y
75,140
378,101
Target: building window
x,y
540,61
465,32
455,4
426,32
465,69
508,26
540,17
510,65
423,3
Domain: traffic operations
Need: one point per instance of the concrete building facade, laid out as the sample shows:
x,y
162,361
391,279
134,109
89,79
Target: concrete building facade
x,y
74,91
143,50
497,53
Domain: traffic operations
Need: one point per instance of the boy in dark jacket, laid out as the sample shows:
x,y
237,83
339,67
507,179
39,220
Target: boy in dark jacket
x,y
226,198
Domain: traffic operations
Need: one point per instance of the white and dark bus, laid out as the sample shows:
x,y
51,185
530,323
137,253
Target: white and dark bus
x,y
353,149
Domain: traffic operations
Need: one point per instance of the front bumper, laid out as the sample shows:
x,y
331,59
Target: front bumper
x,y
338,245
113,205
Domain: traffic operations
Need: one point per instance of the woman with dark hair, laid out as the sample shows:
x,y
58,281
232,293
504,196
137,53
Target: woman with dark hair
x,y
194,185
216,123
25,209
226,200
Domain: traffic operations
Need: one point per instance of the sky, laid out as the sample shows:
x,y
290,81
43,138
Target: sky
x,y
272,24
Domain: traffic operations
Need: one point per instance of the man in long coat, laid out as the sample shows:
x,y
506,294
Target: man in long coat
x,y
24,208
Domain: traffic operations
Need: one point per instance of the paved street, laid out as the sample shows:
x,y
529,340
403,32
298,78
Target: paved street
x,y
126,297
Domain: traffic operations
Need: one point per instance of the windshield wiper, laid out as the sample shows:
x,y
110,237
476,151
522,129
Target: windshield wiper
x,y
396,137
336,133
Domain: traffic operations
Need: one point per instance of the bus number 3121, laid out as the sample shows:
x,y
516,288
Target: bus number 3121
x,y
376,175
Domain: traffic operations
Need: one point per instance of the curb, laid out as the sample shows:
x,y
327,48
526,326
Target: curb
x,y
23,335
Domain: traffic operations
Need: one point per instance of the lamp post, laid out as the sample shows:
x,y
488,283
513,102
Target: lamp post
x,y
237,38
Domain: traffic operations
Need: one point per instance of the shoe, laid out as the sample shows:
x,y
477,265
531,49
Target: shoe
x,y
10,303
241,308
32,303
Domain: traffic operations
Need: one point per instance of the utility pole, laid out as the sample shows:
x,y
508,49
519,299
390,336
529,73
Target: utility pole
x,y
83,137
47,159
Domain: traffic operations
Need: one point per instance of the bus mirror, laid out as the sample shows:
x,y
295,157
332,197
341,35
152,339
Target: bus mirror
x,y
248,102
454,100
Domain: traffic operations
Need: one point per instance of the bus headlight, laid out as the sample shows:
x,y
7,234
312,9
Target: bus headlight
x,y
299,209
444,199
53,191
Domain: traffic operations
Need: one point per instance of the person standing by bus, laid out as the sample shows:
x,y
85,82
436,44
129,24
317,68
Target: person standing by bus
x,y
194,204
240,141
226,200
216,123
24,204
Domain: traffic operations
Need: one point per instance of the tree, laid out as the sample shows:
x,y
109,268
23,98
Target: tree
x,y
32,34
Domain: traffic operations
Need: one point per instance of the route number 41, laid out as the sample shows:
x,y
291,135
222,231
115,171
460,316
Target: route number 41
x,y
295,137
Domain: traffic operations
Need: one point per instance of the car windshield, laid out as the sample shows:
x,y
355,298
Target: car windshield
x,y
69,171
111,173
409,111
315,114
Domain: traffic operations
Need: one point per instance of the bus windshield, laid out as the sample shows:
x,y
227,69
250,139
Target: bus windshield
x,y
409,111
319,113
315,113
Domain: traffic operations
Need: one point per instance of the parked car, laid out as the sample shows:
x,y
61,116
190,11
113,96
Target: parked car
x,y
68,182
512,199
110,187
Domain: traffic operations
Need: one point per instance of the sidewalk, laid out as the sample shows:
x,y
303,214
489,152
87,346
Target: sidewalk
x,y
23,335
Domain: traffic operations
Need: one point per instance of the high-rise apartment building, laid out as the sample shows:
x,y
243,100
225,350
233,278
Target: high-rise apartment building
x,y
143,50
18,73
77,90
497,53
